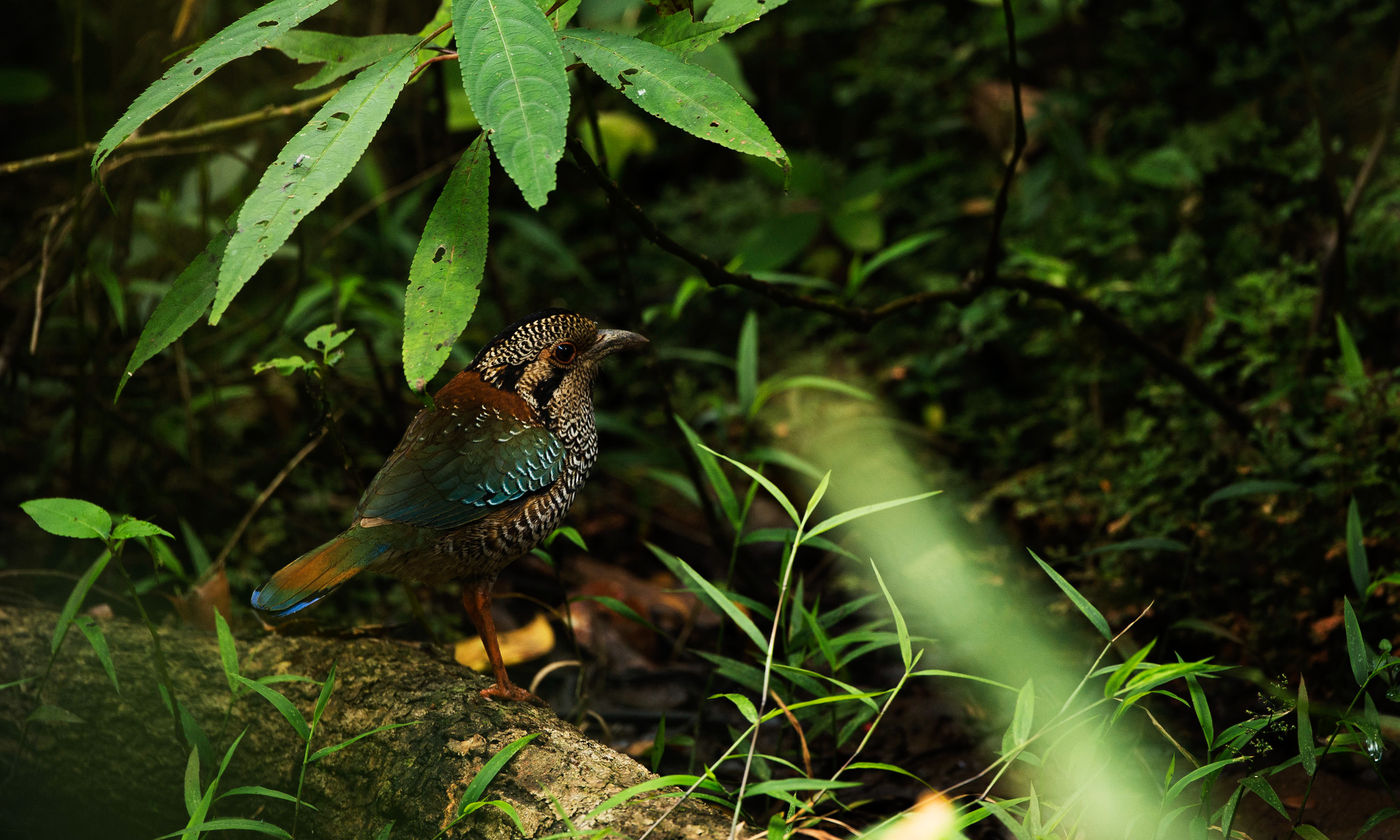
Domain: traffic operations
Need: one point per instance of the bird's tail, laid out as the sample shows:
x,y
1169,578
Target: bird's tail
x,y
313,576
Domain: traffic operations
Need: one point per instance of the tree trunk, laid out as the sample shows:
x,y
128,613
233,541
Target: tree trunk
x,y
118,770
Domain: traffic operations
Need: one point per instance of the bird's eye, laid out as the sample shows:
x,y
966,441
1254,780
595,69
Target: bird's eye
x,y
564,352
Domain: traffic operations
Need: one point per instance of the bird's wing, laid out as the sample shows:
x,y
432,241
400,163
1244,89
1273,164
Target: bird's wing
x,y
462,460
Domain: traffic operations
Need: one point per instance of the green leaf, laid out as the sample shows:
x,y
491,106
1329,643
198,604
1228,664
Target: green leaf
x,y
710,594
1089,610
326,338
513,74
325,751
865,510
648,786
244,824
129,528
742,703
773,786
1143,544
1376,819
1356,551
184,304
1307,750
94,635
1201,706
193,789
1022,718
492,767
75,599
228,653
324,697
683,36
280,702
906,650
1250,487
1199,773
563,12
1262,789
1356,646
74,518
724,9
309,167
341,54
49,713
688,97
445,278
1167,168
259,790
746,364
1121,674
778,495
771,387
1307,832
728,502
1352,368
244,36
285,365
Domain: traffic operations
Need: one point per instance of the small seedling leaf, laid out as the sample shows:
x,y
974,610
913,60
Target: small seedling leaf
x,y
280,702
74,518
492,767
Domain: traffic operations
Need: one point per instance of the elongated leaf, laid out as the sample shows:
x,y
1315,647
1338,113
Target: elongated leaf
x,y
865,510
513,73
94,635
49,713
334,748
280,702
1357,653
779,496
193,791
773,786
1249,487
710,594
723,9
1308,832
746,363
683,36
184,304
1356,551
1199,773
906,650
648,786
75,599
134,528
244,36
1307,750
309,167
259,790
492,767
1121,673
742,703
1089,610
244,824
1352,368
75,518
324,697
728,502
1024,715
445,278
1201,706
341,54
228,654
688,97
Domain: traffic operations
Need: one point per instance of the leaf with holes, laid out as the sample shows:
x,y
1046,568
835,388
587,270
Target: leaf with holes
x,y
314,162
445,278
513,74
688,97
244,36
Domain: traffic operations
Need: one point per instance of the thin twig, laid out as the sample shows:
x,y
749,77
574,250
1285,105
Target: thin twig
x,y
992,260
267,494
1382,139
451,56
796,727
271,112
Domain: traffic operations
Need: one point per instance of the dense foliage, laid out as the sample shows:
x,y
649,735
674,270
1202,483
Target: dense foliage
x,y
1167,364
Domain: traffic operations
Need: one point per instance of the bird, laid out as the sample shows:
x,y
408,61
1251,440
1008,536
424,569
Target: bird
x,y
479,479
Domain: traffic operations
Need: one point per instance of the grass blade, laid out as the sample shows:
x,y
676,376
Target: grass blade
x,y
1089,610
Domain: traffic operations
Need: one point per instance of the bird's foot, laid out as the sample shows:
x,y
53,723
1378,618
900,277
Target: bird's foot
x,y
511,692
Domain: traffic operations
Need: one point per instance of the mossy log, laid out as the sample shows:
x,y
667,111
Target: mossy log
x,y
113,767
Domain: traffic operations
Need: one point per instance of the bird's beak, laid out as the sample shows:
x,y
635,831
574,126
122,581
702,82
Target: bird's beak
x,y
611,341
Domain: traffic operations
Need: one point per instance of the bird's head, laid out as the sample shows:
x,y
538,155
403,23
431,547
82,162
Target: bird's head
x,y
550,359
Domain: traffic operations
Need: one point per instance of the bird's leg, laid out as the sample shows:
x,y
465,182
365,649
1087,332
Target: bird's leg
x,y
476,599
